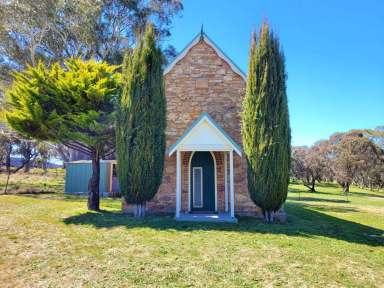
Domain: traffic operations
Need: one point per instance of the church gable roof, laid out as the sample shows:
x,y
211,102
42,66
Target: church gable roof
x,y
202,36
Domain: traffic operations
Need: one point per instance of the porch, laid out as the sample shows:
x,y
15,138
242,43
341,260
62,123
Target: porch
x,y
211,217
205,173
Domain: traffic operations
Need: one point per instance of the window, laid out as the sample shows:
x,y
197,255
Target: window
x,y
197,187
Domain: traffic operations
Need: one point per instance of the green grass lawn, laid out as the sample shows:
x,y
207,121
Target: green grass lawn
x,y
36,181
50,240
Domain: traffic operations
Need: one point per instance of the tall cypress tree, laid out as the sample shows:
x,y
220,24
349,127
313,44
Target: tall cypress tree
x,y
141,124
265,124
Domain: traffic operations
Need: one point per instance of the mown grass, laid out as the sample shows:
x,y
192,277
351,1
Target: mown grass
x,y
36,181
329,241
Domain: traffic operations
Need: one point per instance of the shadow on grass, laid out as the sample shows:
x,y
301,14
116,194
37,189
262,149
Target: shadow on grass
x,y
17,189
334,209
352,193
48,195
302,221
294,190
33,192
306,191
312,199
366,194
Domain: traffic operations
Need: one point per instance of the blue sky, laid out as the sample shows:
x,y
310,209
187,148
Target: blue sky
x,y
334,55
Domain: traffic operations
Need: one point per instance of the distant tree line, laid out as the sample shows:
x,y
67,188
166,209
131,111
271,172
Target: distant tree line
x,y
17,153
355,157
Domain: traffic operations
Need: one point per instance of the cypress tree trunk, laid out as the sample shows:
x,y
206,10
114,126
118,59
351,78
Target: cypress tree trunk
x,y
93,185
265,125
139,210
136,210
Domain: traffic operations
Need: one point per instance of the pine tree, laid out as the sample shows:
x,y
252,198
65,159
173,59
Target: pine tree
x,y
71,105
265,124
141,124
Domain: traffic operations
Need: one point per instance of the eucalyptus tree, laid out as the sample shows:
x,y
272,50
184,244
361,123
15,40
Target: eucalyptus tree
x,y
355,156
312,164
48,30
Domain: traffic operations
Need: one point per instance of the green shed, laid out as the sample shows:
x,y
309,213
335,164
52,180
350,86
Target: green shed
x,y
79,172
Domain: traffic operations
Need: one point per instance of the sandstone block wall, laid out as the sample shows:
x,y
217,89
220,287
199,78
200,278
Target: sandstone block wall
x,y
202,82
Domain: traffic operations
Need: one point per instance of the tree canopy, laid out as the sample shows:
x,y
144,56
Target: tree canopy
x,y
36,30
265,124
356,159
312,164
141,123
72,104
353,157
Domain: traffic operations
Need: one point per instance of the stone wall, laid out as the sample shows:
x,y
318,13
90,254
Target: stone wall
x,y
202,82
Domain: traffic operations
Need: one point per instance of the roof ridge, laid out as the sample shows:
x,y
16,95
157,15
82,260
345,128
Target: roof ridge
x,y
203,36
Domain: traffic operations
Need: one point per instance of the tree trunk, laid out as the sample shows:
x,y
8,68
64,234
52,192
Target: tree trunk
x,y
313,183
310,185
94,184
27,167
269,217
346,187
143,209
8,166
6,184
136,210
139,210
8,158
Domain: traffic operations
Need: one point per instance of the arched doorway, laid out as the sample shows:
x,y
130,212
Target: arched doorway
x,y
202,182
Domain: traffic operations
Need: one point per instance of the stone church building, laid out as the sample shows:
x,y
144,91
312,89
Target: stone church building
x,y
205,171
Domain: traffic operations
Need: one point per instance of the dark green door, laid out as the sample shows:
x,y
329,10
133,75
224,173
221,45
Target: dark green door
x,y
202,182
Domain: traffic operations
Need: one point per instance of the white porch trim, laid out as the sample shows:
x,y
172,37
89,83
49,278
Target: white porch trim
x,y
189,182
229,199
226,181
178,184
215,178
205,135
231,184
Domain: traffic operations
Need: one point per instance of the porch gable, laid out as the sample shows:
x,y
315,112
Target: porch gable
x,y
205,135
